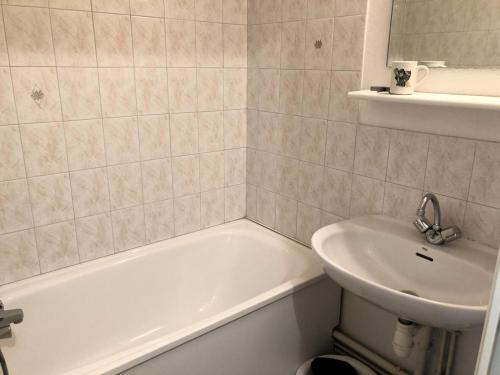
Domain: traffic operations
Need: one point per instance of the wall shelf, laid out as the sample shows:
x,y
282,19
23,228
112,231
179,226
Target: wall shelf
x,y
491,103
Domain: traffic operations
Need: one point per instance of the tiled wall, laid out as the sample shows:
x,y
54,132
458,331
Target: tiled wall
x,y
310,162
140,134
462,32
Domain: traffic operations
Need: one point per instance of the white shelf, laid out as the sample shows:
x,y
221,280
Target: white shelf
x,y
420,98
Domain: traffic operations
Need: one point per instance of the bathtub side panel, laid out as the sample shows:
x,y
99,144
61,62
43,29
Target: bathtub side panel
x,y
274,340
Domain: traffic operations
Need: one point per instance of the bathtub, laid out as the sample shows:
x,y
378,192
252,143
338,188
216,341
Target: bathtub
x,y
234,299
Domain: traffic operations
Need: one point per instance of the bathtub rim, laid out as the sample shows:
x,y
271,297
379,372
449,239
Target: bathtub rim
x,y
128,358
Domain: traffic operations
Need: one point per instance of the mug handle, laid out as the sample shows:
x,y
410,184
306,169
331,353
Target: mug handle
x,y
427,71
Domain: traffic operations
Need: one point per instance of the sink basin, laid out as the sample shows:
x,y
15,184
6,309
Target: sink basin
x,y
390,264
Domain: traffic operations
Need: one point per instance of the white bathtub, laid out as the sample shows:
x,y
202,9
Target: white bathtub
x,y
112,314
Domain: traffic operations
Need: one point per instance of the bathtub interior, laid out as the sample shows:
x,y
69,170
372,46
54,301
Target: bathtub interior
x,y
93,311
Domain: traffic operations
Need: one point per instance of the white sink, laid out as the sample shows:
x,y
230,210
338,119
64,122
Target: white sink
x,y
391,265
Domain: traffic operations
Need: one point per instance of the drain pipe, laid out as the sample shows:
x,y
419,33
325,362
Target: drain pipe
x,y
368,354
402,343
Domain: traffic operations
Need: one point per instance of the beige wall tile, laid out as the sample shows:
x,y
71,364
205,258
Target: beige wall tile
x,y
235,202
181,43
151,90
337,187
73,34
210,86
313,140
367,196
187,214
270,10
154,135
319,57
293,39
288,176
148,36
348,41
51,199
29,36
15,211
481,224
4,57
234,11
44,148
294,10
269,90
212,170
485,185
125,186
128,228
266,208
80,96
286,216
320,8
11,154
291,87
71,4
94,236
209,45
269,45
340,146
290,135
372,149
111,6
122,141
19,256
8,113
113,36
208,10
235,46
308,222
449,166
57,246
151,8
90,192
157,180
401,202
235,129
341,107
211,131
180,9
408,158
311,184
350,7
251,202
212,208
117,92
184,134
235,162
159,220
315,96
28,80
182,90
186,172
85,144
235,88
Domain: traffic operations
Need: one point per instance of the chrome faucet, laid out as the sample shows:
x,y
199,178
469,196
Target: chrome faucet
x,y
8,317
433,232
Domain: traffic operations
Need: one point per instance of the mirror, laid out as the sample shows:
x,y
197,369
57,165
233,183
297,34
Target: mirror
x,y
446,33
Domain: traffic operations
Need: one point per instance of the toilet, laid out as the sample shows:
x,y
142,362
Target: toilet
x,y
361,368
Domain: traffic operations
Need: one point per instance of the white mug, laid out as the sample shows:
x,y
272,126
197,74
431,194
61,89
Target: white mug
x,y
404,77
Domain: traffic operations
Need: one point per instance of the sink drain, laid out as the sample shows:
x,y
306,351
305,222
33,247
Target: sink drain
x,y
409,292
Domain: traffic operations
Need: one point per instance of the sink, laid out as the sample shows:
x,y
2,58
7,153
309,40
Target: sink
x,y
390,264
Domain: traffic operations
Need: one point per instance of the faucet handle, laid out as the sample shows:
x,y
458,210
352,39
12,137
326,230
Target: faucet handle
x,y
422,224
451,234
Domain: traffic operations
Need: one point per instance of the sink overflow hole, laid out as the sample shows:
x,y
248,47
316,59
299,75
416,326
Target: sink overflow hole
x,y
423,256
409,292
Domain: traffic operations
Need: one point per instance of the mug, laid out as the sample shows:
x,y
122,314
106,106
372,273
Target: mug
x,y
404,77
